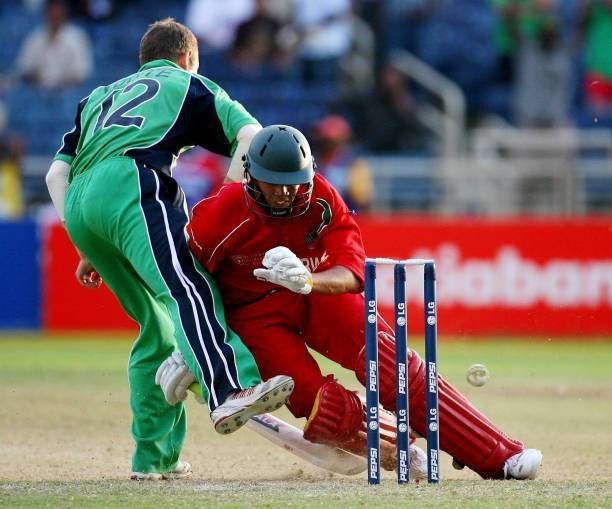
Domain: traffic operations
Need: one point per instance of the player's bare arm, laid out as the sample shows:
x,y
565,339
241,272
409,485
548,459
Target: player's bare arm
x,y
337,279
57,183
282,267
244,137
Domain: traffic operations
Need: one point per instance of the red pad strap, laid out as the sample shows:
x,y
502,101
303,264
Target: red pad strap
x,y
338,419
336,415
465,433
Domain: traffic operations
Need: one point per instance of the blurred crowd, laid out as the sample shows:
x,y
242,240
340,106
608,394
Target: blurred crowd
x,y
535,63
538,43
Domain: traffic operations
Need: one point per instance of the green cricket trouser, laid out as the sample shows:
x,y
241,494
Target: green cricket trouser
x,y
129,221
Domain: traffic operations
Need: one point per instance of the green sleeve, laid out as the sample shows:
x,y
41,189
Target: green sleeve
x,y
70,140
232,115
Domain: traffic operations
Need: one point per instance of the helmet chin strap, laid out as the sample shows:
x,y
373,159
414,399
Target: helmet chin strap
x,y
280,212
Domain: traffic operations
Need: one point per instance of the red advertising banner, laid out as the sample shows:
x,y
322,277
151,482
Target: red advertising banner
x,y
516,276
66,304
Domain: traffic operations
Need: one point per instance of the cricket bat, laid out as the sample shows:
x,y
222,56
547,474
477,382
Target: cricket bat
x,y
292,440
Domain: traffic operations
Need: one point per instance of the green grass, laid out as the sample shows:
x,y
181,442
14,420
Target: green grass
x,y
64,434
299,493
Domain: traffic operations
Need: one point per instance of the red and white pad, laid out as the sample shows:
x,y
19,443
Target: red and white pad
x,y
465,433
338,420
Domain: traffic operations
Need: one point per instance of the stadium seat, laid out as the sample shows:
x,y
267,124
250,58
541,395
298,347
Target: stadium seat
x,y
597,181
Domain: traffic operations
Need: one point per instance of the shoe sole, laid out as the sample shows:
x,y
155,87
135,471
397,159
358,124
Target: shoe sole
x,y
161,477
185,473
146,477
176,477
267,402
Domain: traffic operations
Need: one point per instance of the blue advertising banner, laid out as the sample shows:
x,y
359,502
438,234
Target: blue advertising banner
x,y
20,301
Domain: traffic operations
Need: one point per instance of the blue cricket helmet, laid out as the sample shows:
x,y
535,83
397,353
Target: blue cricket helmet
x,y
279,155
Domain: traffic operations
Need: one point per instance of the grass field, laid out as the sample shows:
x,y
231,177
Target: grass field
x,y
65,442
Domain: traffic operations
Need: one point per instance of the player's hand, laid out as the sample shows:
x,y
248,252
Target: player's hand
x,y
86,274
174,378
285,269
276,254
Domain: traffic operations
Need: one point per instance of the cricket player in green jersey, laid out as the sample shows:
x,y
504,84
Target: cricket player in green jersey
x,y
111,184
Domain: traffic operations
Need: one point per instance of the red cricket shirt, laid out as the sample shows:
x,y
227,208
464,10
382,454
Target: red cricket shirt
x,y
230,240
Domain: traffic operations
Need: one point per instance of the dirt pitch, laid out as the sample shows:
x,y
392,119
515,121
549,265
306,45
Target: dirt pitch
x,y
64,434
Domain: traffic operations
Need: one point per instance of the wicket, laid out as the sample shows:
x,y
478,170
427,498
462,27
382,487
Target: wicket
x,y
401,369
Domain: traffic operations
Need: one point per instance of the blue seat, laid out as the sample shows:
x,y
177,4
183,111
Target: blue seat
x,y
597,179
587,117
22,104
458,41
16,23
42,116
416,192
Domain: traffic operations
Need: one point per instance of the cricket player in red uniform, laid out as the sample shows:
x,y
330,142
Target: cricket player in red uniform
x,y
288,258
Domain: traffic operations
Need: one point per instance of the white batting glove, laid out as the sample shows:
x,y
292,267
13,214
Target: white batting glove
x,y
285,269
276,254
174,378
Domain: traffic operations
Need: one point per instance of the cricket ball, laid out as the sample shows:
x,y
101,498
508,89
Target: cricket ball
x,y
477,374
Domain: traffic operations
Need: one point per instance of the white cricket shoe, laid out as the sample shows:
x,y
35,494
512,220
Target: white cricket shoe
x,y
418,464
181,471
523,465
240,406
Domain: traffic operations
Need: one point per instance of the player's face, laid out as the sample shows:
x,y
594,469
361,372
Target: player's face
x,y
278,196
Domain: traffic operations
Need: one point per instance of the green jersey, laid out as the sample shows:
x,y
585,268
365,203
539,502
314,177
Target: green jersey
x,y
124,142
599,41
151,116
528,22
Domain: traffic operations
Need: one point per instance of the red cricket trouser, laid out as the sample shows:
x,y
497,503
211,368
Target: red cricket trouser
x,y
279,328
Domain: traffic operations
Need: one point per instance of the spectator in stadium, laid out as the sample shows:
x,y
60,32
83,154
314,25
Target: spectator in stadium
x,y
324,31
598,35
337,162
259,40
11,149
357,71
544,46
384,118
505,40
214,22
126,215
57,54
